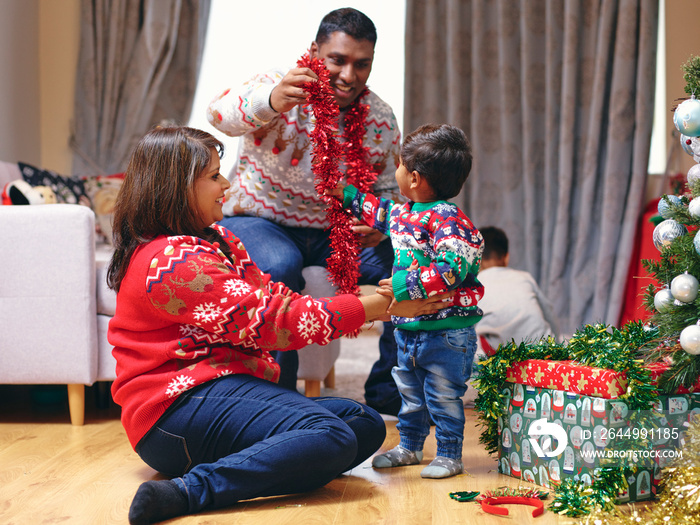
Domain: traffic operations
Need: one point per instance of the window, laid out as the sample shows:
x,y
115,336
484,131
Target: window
x,y
659,150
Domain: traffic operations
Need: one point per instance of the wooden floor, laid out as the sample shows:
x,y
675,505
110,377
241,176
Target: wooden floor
x,y
52,472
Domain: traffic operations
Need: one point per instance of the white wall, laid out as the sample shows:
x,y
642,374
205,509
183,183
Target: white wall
x,y
245,38
19,81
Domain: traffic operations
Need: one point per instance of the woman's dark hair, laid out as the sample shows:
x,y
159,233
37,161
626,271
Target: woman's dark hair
x,y
347,20
441,154
157,195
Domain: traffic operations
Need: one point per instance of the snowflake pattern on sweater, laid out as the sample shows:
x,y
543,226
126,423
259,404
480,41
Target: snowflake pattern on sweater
x,y
272,177
186,314
446,245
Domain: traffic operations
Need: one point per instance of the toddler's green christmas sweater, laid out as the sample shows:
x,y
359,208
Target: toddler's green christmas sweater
x,y
446,245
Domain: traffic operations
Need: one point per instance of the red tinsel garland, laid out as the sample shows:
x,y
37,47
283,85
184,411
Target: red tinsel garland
x,y
344,261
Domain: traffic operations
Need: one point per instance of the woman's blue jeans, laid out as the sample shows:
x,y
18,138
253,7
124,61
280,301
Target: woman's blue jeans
x,y
432,372
240,437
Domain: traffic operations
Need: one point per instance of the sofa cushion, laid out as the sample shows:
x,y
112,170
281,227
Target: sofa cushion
x,y
70,190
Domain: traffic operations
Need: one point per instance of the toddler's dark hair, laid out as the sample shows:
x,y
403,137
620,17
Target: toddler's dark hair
x,y
442,154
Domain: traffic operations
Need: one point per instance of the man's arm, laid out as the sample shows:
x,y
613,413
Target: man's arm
x,y
259,101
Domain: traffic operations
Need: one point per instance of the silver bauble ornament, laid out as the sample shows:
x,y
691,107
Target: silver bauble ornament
x,y
691,145
694,208
666,232
696,242
684,287
693,175
686,118
686,143
664,207
690,339
663,299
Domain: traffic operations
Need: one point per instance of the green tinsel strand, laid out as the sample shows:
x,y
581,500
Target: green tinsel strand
x,y
574,498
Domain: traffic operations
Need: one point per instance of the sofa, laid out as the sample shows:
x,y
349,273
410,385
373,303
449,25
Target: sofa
x,y
55,305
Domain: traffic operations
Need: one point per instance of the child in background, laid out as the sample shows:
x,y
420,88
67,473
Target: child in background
x,y
437,249
514,308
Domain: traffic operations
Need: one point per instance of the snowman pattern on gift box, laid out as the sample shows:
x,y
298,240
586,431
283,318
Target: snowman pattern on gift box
x,y
554,471
526,452
518,395
516,423
576,435
600,436
569,462
570,413
531,408
504,466
506,439
588,454
677,405
618,414
598,410
514,464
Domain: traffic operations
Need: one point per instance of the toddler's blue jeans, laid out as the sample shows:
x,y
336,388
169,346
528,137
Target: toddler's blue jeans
x,y
432,372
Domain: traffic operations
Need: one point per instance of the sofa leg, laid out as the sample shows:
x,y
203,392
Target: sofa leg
x,y
329,382
312,388
76,404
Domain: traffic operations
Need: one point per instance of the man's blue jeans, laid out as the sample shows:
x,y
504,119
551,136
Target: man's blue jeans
x,y
283,251
240,437
432,372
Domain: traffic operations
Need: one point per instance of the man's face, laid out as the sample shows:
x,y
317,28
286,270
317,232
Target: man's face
x,y
349,62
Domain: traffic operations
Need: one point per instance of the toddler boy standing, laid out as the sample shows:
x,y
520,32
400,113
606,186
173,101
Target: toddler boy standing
x,y
437,249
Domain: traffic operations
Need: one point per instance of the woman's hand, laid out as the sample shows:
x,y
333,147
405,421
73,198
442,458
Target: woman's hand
x,y
416,307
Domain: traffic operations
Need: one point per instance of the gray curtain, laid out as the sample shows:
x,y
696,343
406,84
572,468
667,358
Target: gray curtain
x,y
557,99
138,67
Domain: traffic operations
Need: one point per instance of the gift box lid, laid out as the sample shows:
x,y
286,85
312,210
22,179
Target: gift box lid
x,y
576,378
569,376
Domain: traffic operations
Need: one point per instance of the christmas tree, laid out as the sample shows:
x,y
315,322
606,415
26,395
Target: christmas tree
x,y
675,301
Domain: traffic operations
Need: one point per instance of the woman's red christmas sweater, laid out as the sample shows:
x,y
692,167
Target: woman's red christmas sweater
x,y
186,315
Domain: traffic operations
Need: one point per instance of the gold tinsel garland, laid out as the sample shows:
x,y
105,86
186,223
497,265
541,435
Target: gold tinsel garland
x,y
679,500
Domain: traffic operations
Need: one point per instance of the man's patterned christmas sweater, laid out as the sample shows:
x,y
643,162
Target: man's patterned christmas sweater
x,y
446,245
186,315
272,177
